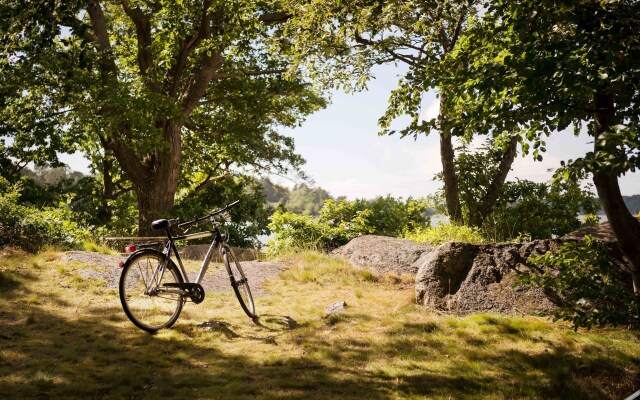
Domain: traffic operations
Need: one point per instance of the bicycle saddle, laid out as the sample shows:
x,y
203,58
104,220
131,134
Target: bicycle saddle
x,y
161,224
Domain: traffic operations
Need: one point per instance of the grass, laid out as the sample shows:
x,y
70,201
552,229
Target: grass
x,y
443,233
62,340
93,247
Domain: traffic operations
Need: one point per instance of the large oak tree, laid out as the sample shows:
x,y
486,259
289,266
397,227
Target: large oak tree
x,y
158,90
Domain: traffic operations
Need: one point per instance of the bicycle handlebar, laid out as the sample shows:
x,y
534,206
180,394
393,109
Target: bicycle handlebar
x,y
223,209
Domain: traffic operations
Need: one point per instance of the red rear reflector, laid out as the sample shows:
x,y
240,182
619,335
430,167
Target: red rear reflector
x,y
121,264
130,249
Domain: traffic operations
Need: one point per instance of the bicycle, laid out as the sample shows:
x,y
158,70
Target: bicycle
x,y
153,289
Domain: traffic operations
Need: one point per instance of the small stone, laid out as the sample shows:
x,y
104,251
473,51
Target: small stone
x,y
336,308
212,326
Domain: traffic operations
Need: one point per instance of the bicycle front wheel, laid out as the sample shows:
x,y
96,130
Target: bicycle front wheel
x,y
150,310
239,282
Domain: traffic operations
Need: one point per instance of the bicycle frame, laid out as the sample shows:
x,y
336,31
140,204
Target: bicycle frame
x,y
170,246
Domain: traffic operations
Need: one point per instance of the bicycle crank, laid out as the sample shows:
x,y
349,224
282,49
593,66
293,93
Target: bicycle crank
x,y
195,291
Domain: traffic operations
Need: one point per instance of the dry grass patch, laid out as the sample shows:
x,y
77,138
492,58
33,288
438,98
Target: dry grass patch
x,y
65,339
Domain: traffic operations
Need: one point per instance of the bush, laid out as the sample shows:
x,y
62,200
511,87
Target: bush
x,y
590,284
539,210
338,223
446,233
31,229
393,217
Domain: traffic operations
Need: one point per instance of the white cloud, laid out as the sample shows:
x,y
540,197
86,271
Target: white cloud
x,y
431,111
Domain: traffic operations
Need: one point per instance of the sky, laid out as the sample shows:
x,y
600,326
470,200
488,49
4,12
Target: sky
x,y
346,157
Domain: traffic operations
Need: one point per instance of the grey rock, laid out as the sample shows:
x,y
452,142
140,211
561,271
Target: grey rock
x,y
381,254
464,278
601,232
336,308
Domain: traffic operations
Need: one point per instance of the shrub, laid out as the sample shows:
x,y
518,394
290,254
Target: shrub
x,y
590,284
339,222
539,210
31,229
393,217
446,233
295,232
590,220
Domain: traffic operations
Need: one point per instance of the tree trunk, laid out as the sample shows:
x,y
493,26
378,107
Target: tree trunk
x,y
624,225
154,178
156,193
154,202
488,202
450,179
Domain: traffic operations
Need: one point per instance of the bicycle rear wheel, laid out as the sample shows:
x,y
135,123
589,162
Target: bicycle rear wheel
x,y
149,311
239,282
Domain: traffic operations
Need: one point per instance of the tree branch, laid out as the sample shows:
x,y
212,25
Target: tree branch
x,y
444,41
208,179
396,56
172,81
274,18
488,201
99,25
199,82
100,36
459,23
127,158
143,35
223,75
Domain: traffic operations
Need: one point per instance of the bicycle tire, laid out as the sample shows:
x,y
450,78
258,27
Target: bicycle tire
x,y
239,282
147,312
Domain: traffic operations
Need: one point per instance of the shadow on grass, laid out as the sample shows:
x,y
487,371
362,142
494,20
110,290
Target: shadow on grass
x,y
95,355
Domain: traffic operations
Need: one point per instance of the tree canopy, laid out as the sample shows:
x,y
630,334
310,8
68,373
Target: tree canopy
x,y
174,93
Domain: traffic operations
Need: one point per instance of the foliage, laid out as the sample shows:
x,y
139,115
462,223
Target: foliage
x,y
522,208
393,217
31,228
161,97
590,220
247,221
538,66
306,200
339,222
591,285
442,233
356,36
302,199
539,210
293,232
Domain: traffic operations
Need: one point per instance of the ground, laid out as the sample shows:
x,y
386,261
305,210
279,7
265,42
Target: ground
x,y
63,334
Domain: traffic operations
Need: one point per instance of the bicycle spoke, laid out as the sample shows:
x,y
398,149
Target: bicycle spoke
x,y
146,309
